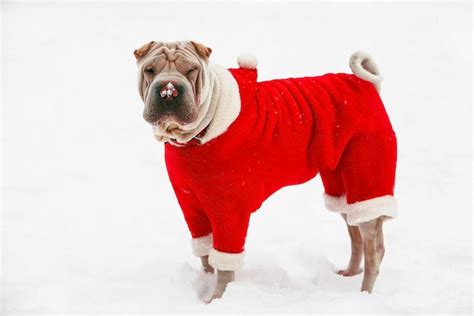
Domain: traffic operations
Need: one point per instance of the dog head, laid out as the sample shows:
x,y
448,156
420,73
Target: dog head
x,y
171,80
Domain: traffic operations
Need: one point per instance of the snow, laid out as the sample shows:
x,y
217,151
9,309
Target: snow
x,y
90,222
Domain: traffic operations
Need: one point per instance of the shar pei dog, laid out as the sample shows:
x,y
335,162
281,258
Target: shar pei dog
x,y
231,141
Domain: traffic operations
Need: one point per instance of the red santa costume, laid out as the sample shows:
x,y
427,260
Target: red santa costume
x,y
287,132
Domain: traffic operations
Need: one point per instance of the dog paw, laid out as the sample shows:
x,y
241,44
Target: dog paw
x,y
348,272
214,297
208,269
218,293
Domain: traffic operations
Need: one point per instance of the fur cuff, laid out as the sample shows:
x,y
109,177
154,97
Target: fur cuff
x,y
202,245
226,261
336,204
368,210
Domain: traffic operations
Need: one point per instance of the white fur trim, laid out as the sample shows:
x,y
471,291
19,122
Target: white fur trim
x,y
202,245
364,67
368,210
224,101
226,261
248,61
336,204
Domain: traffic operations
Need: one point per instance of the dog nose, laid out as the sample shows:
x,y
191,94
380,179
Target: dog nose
x,y
168,91
170,100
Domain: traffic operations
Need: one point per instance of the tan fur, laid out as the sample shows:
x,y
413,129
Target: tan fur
x,y
366,239
201,49
205,264
143,50
374,250
223,278
216,96
180,62
357,251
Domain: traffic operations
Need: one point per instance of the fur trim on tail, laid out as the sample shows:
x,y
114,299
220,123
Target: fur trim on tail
x,y
364,67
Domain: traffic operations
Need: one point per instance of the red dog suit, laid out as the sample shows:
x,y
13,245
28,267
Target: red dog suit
x,y
287,131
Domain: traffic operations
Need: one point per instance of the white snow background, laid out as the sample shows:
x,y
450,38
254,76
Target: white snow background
x,y
89,219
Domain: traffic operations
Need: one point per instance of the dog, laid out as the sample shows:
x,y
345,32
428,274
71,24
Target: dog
x,y
231,142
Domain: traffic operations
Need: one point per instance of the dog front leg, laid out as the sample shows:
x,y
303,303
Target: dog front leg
x,y
229,231
223,278
205,264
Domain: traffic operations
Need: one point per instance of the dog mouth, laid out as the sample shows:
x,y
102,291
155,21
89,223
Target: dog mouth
x,y
172,132
169,126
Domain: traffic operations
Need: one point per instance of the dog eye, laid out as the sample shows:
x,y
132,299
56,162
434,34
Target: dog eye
x,y
149,71
194,68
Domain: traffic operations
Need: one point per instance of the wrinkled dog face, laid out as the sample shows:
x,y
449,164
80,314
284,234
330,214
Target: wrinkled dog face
x,y
171,80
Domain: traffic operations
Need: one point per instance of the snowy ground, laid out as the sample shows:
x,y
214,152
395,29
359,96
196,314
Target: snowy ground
x,y
89,220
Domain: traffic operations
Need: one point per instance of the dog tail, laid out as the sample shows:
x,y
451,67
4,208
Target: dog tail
x,y
364,67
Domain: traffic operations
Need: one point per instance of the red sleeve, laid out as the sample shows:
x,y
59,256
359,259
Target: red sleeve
x,y
229,230
229,208
195,217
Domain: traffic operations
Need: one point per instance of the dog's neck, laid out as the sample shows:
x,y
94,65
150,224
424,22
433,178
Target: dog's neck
x,y
219,107
221,104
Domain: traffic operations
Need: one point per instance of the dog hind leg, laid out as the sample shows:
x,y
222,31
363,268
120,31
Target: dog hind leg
x,y
372,240
357,251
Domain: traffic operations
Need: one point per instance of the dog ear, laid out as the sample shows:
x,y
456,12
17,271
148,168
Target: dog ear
x,y
142,51
202,50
